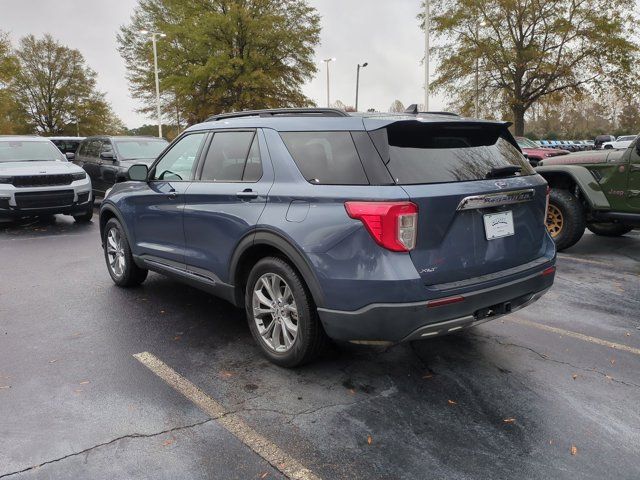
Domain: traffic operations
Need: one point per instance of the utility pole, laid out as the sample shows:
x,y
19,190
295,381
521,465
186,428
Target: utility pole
x,y
358,81
477,109
154,35
427,31
328,61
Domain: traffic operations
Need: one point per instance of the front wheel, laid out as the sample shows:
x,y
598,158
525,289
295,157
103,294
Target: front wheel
x,y
609,229
281,315
117,253
565,218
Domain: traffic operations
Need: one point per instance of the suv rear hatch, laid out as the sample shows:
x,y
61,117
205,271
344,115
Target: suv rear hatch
x,y
481,206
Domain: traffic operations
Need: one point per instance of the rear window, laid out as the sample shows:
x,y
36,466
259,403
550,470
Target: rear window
x,y
132,149
416,153
326,158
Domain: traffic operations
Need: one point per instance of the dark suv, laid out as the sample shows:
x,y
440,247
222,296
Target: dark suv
x,y
371,229
107,159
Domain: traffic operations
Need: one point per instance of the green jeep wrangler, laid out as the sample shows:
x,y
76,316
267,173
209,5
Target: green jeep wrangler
x,y
598,190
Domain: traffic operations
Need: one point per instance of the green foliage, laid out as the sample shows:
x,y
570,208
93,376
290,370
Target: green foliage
x,y
55,92
221,55
168,131
525,51
8,69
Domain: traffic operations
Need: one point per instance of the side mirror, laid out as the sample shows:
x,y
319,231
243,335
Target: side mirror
x,y
138,173
70,155
107,156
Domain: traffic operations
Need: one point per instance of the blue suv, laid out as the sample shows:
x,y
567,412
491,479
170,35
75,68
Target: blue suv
x,y
371,229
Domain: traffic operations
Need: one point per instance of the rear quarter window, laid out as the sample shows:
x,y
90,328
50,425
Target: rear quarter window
x,y
326,158
418,153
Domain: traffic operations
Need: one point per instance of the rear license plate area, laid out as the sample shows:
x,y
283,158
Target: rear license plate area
x,y
498,225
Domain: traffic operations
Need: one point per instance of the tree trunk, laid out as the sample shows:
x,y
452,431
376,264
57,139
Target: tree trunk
x,y
518,120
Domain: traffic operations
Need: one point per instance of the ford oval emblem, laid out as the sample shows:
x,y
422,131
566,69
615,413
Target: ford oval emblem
x,y
501,184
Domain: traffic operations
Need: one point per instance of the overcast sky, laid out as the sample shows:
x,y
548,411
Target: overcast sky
x,y
382,32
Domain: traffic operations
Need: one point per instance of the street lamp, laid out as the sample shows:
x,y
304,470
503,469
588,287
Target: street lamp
x,y
328,61
358,81
427,31
154,35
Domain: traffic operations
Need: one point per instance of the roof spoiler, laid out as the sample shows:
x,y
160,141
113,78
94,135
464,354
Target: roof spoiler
x,y
414,110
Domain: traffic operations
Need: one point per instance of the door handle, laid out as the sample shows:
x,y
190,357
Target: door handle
x,y
172,194
247,194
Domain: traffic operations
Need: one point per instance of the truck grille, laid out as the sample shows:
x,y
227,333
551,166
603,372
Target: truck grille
x,y
42,180
61,198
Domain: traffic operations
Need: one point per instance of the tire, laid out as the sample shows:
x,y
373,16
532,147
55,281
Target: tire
x,y
85,217
609,229
126,273
565,219
275,322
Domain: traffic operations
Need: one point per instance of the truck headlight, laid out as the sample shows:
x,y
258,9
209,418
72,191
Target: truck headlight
x,y
5,179
78,176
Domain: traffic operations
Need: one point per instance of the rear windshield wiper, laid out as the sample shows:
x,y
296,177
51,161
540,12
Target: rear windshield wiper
x,y
499,172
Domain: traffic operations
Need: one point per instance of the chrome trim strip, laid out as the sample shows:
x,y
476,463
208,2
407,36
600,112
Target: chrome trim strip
x,y
496,199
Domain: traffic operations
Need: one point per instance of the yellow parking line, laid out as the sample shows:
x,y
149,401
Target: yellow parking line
x,y
580,336
279,459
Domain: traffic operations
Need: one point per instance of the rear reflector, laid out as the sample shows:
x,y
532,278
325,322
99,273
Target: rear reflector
x,y
393,225
444,301
548,271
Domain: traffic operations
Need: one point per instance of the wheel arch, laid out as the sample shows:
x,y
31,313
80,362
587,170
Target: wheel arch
x,y
107,212
261,244
572,177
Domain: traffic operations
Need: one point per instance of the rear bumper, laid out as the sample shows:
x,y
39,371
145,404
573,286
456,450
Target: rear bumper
x,y
396,322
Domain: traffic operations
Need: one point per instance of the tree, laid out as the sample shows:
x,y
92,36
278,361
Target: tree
x,y
397,107
525,50
629,118
221,55
57,91
8,70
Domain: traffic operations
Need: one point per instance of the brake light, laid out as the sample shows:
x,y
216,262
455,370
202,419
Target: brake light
x,y
546,208
393,225
548,271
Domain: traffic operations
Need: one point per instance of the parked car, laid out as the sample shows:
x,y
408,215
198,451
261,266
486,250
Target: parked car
x,y
36,179
373,229
602,139
597,190
590,144
107,159
535,153
67,144
621,143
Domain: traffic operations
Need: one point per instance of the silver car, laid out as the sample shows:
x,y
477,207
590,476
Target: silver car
x,y
37,179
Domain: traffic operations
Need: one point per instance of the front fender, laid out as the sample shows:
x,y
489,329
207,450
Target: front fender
x,y
581,176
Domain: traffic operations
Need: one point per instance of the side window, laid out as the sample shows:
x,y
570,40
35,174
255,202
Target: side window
x,y
227,157
106,147
82,150
177,163
93,150
326,158
253,167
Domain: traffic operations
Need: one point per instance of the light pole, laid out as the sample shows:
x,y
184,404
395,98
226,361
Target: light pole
x,y
358,81
154,35
477,74
328,61
427,31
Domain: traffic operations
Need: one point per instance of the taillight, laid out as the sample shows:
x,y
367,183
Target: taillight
x,y
393,225
546,208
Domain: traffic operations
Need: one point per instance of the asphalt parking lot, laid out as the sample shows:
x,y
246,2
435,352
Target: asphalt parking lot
x,y
551,392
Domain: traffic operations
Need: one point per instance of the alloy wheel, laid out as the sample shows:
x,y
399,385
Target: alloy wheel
x,y
275,312
115,252
555,221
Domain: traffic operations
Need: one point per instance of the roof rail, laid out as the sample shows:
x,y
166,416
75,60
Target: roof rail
x,y
413,109
273,112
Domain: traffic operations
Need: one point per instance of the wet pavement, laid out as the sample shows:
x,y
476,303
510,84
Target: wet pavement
x,y
550,392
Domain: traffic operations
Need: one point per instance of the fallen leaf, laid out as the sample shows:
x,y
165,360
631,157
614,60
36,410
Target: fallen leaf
x,y
574,450
628,334
451,402
177,337
428,375
226,374
84,382
509,420
161,311
264,475
78,390
53,361
613,361
550,442
3,387
352,391
369,439
167,442
574,376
